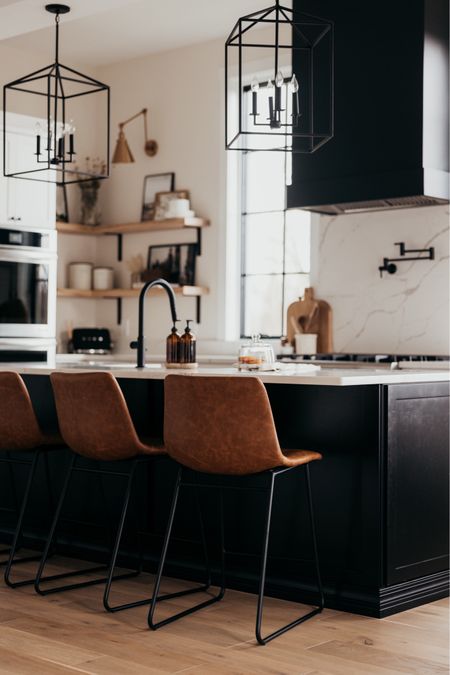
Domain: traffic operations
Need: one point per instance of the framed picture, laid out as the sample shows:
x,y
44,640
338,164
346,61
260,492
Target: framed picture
x,y
158,182
173,262
163,199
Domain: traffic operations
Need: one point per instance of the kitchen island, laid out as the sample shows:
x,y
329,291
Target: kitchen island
x,y
380,493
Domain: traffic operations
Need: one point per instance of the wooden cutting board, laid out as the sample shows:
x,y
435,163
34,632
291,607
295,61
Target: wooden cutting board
x,y
319,315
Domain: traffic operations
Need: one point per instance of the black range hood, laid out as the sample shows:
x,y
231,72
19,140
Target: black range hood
x,y
391,143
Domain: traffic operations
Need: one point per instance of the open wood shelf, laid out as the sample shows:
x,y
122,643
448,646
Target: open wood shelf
x,y
120,294
115,293
128,228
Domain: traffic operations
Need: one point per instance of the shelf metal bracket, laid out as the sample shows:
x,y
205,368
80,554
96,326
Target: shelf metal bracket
x,y
199,240
119,311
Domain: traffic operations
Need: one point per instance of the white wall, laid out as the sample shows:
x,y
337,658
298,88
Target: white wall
x,y
407,312
183,91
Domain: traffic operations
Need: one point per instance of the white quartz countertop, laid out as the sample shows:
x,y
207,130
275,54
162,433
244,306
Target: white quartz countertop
x,y
288,374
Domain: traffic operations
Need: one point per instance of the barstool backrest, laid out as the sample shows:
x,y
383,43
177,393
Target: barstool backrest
x,y
19,429
93,416
220,424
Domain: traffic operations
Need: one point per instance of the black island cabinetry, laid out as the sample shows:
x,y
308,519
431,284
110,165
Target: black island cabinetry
x,y
380,497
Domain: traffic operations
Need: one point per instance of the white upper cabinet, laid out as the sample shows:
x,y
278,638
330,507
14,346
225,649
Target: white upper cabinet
x,y
27,203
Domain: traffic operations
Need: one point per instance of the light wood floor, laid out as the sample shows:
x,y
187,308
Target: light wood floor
x,y
70,633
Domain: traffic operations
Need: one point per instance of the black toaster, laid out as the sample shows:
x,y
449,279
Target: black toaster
x,y
90,341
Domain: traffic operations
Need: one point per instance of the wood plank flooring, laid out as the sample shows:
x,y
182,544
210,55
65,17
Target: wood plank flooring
x,y
71,633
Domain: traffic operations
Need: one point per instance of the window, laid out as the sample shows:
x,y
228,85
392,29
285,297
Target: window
x,y
275,245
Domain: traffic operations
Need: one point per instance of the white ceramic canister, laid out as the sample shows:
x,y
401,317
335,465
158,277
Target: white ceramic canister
x,y
306,343
80,276
103,278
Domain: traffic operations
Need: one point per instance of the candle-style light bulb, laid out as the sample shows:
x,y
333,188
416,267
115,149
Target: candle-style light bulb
x,y
38,139
295,103
72,129
279,80
270,91
254,87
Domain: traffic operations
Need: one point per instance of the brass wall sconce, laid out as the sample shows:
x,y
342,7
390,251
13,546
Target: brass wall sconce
x,y
122,153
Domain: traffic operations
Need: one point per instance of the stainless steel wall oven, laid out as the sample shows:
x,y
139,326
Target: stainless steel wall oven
x,y
27,283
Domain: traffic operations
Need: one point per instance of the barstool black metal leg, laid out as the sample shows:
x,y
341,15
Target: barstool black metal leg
x,y
262,578
123,516
146,601
19,529
203,540
314,540
51,496
155,625
12,481
259,614
83,584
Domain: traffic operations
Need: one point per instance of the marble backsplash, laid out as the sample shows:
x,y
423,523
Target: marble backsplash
x,y
407,312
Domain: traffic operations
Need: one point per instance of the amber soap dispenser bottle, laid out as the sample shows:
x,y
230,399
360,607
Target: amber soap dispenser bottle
x,y
173,347
188,348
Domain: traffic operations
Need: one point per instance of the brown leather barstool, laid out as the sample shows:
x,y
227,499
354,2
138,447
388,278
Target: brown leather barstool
x,y
95,423
224,425
20,431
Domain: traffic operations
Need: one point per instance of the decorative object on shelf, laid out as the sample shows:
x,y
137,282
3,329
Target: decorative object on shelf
x,y
159,182
122,153
163,208
173,262
62,207
136,267
289,107
54,95
80,276
90,212
103,278
389,263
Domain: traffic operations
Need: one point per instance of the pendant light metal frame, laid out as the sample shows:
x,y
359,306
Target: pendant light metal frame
x,y
54,81
301,141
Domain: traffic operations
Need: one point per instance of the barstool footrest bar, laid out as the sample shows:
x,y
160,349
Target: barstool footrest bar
x,y
81,584
284,629
147,601
185,612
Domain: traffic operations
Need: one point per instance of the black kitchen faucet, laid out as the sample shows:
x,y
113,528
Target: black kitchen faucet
x,y
139,344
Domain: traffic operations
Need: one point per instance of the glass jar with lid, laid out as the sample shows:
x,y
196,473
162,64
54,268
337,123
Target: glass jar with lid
x,y
256,355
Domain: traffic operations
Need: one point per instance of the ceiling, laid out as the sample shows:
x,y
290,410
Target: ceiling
x,y
108,31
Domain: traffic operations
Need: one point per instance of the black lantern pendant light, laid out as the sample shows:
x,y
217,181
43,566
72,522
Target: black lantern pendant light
x,y
279,71
54,97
